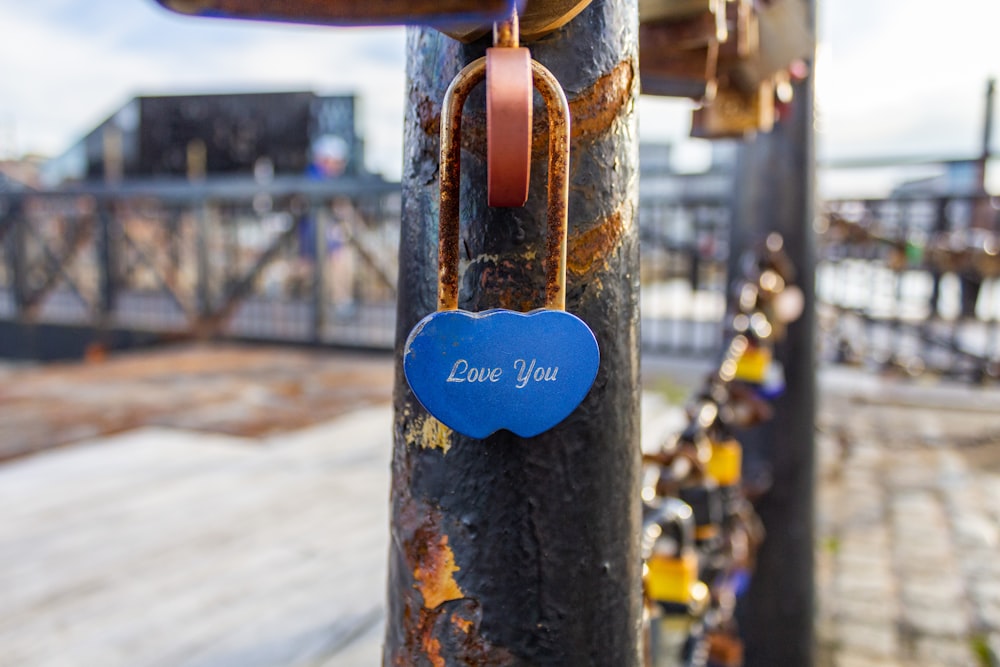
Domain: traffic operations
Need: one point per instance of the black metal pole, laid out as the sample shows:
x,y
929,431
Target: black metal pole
x,y
17,259
107,261
512,551
776,193
319,293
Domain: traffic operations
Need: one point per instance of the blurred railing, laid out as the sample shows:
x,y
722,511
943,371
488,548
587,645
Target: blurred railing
x,y
684,252
291,260
913,283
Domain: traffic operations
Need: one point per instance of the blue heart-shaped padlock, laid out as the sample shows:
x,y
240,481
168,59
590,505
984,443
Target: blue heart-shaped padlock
x,y
478,373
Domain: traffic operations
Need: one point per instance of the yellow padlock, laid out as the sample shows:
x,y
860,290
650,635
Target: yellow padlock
x,y
669,579
670,569
726,462
753,364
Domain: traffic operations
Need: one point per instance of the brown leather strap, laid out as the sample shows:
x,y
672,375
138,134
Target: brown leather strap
x,y
508,125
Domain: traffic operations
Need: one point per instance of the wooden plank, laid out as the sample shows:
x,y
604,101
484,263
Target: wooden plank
x,y
163,547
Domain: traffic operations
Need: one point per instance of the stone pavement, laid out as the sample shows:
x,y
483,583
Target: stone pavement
x,y
107,542
908,524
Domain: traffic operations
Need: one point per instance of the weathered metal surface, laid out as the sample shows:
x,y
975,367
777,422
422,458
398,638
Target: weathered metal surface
x,y
347,12
465,20
537,18
542,533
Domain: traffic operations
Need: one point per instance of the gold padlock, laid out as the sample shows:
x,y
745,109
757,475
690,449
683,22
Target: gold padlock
x,y
670,569
733,115
726,462
753,364
679,46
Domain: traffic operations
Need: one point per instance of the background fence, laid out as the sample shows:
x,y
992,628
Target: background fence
x,y
910,281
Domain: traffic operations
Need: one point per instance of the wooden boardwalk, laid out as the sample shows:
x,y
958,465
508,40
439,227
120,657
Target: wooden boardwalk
x,y
164,547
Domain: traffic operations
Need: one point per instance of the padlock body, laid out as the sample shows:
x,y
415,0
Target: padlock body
x,y
481,372
726,462
669,579
753,365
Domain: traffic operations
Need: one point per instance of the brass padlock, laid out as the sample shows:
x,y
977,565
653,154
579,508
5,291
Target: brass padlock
x,y
667,71
785,36
481,372
670,572
733,115
726,462
679,46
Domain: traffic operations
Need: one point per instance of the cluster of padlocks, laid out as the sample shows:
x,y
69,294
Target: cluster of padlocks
x,y
737,58
700,531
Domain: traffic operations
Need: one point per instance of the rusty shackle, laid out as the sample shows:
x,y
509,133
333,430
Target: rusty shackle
x,y
558,182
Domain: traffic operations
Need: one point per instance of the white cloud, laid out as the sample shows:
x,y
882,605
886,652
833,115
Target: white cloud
x,y
906,78
896,77
66,80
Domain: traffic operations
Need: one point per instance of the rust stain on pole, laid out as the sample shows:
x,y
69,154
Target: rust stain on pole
x,y
435,572
596,108
590,248
441,624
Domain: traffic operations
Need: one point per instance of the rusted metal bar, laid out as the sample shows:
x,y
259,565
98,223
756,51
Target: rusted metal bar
x,y
170,286
244,284
557,201
17,262
318,292
107,265
56,266
512,551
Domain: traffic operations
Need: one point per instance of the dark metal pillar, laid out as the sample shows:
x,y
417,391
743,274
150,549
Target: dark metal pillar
x,y
17,257
107,261
319,293
205,275
776,192
511,551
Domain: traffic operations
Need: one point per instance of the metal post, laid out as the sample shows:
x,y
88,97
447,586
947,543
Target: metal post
x,y
984,157
107,260
17,259
775,192
202,241
319,293
512,551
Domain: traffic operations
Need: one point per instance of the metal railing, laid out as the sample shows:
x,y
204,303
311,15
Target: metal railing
x,y
292,260
912,282
909,281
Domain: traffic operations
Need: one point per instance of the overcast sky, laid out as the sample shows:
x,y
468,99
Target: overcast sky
x,y
897,77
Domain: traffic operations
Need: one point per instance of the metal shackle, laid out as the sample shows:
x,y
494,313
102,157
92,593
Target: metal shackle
x,y
558,183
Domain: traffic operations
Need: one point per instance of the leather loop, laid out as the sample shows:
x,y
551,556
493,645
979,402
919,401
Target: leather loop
x,y
508,125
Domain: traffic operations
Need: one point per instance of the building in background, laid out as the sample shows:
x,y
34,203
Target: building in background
x,y
177,136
